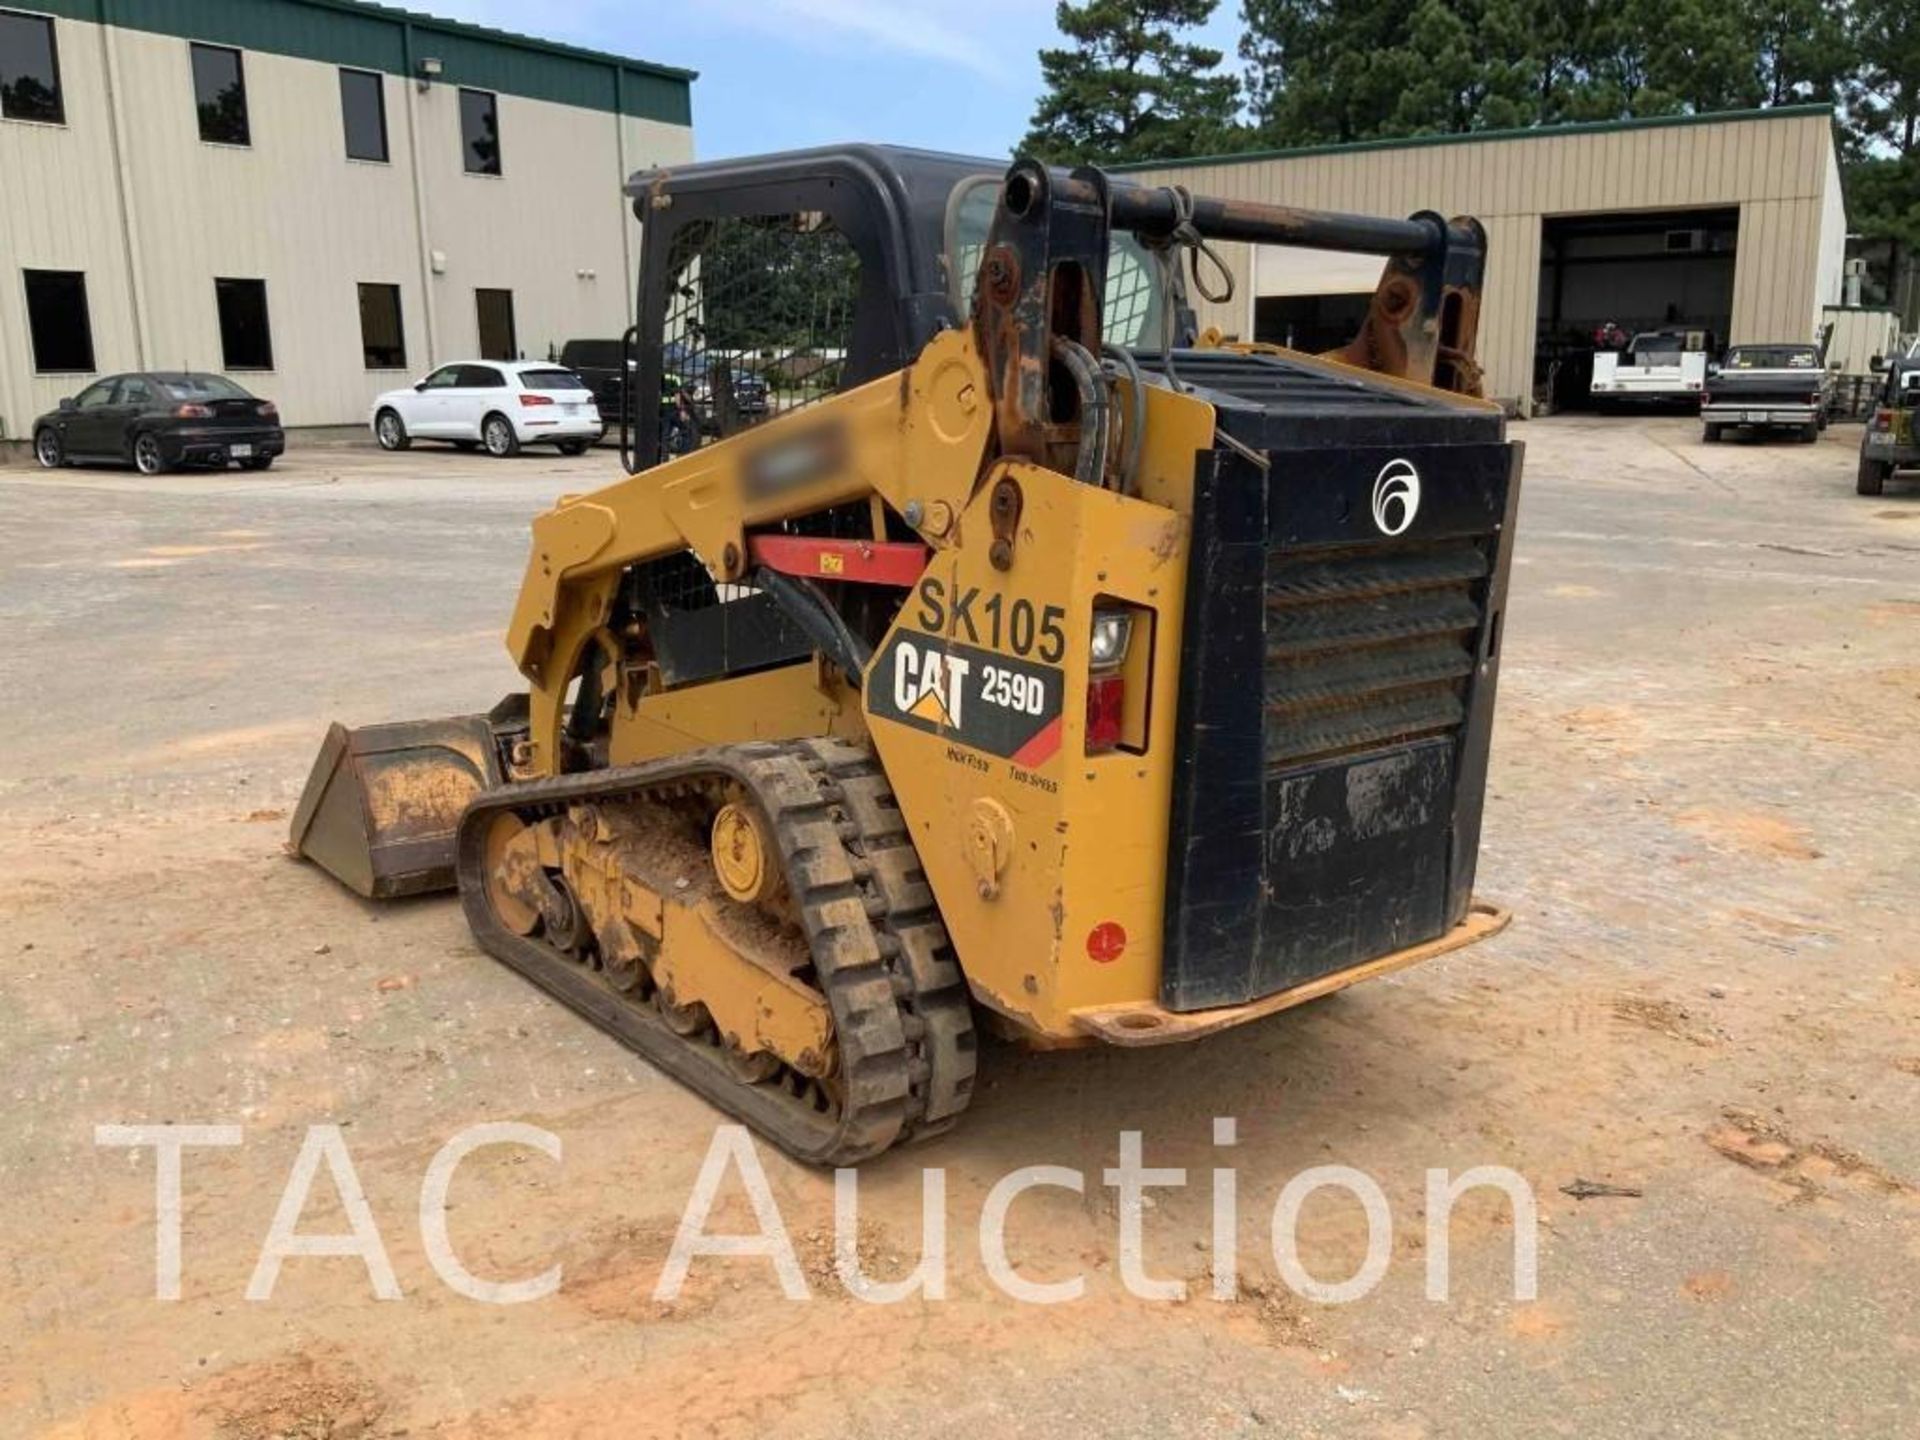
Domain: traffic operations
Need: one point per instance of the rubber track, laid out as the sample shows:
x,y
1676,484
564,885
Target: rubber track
x,y
881,955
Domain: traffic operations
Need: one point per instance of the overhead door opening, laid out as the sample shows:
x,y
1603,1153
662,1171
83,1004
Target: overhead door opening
x,y
1606,277
1309,299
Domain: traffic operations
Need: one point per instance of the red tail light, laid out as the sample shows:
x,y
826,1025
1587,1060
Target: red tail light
x,y
1882,419
1106,705
267,410
527,397
192,412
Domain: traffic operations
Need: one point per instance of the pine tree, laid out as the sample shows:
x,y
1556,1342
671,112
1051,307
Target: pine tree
x,y
1323,70
1885,88
1130,88
1883,183
1805,51
1355,69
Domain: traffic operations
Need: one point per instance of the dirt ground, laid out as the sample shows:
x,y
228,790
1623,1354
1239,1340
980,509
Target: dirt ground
x,y
1702,810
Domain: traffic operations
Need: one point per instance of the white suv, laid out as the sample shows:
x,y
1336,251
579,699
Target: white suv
x,y
501,404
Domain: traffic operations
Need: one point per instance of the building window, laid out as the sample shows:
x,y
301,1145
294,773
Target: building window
x,y
57,317
496,324
480,132
382,336
363,110
220,93
246,340
29,70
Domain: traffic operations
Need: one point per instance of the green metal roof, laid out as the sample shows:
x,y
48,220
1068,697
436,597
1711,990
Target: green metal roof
x,y
1481,137
378,37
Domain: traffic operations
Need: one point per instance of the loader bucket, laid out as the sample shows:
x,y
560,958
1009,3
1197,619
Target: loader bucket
x,y
382,804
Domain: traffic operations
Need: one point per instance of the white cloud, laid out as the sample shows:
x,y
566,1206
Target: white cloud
x,y
933,29
993,39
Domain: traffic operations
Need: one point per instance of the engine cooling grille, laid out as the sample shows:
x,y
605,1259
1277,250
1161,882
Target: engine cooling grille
x,y
1368,646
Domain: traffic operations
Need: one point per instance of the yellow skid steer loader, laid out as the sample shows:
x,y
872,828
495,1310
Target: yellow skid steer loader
x,y
967,642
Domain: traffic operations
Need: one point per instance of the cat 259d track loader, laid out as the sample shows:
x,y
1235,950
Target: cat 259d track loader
x,y
972,643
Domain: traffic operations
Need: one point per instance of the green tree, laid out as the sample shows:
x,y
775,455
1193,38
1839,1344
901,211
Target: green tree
x,y
1130,88
1884,92
1805,50
1339,70
1354,69
1883,182
1321,70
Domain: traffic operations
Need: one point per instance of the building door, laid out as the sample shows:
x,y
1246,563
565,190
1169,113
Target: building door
x,y
496,324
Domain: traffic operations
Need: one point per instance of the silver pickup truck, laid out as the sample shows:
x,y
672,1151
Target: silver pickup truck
x,y
1766,387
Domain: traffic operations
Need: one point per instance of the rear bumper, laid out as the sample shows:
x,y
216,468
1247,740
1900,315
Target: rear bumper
x,y
1149,1023
1762,412
1646,390
560,427
215,446
1883,447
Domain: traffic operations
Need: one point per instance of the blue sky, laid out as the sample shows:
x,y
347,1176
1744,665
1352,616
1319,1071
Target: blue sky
x,y
957,75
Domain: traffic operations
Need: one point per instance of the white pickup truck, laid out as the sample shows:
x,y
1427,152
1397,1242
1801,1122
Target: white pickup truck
x,y
1668,366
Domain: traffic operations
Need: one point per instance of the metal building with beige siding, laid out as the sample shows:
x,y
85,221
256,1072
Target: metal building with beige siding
x,y
322,198
1729,223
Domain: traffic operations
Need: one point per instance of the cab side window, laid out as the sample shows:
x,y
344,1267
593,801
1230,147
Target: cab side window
x,y
135,391
480,377
444,378
95,395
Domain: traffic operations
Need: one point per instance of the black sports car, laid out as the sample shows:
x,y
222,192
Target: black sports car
x,y
158,420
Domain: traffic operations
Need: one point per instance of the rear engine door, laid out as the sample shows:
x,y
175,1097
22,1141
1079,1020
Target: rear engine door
x,y
1329,815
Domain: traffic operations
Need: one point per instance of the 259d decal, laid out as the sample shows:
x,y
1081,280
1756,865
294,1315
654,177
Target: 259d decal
x,y
996,703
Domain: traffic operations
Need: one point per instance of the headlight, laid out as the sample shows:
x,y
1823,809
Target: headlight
x,y
1111,631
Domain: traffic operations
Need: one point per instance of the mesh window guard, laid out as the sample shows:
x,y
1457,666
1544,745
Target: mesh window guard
x,y
758,323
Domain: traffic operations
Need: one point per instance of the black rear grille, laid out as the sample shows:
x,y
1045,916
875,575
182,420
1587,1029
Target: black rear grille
x,y
1368,646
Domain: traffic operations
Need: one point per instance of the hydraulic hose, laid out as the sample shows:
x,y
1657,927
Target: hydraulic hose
x,y
1089,466
1121,356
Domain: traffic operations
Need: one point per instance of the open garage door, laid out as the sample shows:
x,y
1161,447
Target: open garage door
x,y
1311,300
1639,270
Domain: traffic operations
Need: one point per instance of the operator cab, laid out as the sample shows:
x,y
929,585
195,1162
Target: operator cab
x,y
767,283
